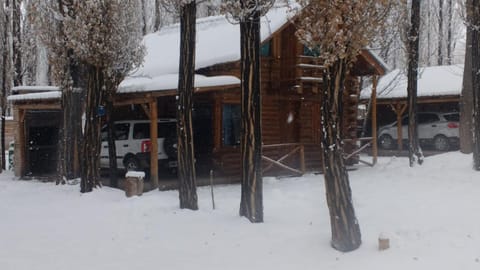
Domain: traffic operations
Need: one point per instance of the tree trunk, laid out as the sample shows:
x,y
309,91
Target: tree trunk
x,y
251,204
414,151
466,98
186,152
112,150
17,43
475,22
440,30
91,136
346,234
144,17
158,21
449,32
6,74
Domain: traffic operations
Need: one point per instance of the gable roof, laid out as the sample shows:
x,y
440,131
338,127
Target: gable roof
x,y
218,41
432,81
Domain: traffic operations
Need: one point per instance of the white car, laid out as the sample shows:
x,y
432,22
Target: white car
x,y
439,130
132,143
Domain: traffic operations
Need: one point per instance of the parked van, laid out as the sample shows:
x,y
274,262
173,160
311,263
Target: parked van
x,y
132,142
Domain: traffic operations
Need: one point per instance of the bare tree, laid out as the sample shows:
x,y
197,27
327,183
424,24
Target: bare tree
x,y
466,98
248,13
415,153
339,30
474,25
103,37
186,151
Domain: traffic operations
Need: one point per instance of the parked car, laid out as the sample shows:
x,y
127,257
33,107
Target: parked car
x,y
132,143
439,130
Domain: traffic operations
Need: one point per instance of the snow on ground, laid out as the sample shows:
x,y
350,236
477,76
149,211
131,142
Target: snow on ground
x,y
430,213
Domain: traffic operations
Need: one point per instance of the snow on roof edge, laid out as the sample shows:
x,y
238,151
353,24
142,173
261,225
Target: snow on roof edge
x,y
36,96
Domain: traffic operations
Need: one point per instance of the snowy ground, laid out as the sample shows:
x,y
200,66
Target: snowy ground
x,y
431,214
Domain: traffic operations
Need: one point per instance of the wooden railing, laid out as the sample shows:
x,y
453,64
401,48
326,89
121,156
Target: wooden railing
x,y
368,142
295,149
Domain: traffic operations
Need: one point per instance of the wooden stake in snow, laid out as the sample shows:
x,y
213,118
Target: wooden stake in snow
x,y
211,189
383,242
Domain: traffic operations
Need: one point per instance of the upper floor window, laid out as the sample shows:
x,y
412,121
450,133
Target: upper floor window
x,y
266,49
315,52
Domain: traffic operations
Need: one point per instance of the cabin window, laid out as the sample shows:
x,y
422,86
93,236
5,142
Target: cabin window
x,y
314,52
265,49
231,124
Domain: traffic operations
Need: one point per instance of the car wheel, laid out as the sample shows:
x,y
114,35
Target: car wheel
x,y
440,143
386,142
131,164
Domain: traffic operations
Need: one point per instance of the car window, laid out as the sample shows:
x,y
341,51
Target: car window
x,y
405,121
141,131
425,118
164,129
167,129
121,131
452,117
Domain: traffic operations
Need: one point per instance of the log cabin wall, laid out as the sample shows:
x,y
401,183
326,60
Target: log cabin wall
x,y
290,85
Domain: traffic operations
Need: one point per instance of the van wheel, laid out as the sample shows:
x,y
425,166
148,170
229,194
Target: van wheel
x,y
440,143
131,164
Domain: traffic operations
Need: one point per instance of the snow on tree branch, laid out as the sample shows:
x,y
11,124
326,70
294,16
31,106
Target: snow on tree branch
x,y
339,29
244,10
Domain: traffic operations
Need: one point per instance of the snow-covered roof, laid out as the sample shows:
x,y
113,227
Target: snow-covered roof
x,y
432,81
170,82
36,96
22,88
218,41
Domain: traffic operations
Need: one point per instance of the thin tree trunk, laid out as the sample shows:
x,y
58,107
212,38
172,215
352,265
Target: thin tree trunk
x,y
156,26
186,152
251,204
466,99
414,151
346,234
6,74
475,22
17,43
91,136
440,31
449,33
144,17
112,150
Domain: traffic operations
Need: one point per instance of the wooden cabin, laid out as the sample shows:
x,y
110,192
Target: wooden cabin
x,y
291,78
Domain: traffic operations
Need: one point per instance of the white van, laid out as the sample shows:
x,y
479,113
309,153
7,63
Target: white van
x,y
132,142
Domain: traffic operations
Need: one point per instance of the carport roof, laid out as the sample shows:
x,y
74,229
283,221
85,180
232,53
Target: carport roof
x,y
436,81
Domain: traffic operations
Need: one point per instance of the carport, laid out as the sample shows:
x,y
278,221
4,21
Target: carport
x,y
439,90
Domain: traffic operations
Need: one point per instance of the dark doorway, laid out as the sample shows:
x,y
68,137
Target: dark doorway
x,y
42,129
203,137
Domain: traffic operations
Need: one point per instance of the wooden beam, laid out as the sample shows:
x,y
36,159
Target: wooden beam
x,y
39,106
154,143
146,110
399,109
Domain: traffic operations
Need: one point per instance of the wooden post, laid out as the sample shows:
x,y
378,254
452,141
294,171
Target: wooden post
x,y
374,120
302,158
154,143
